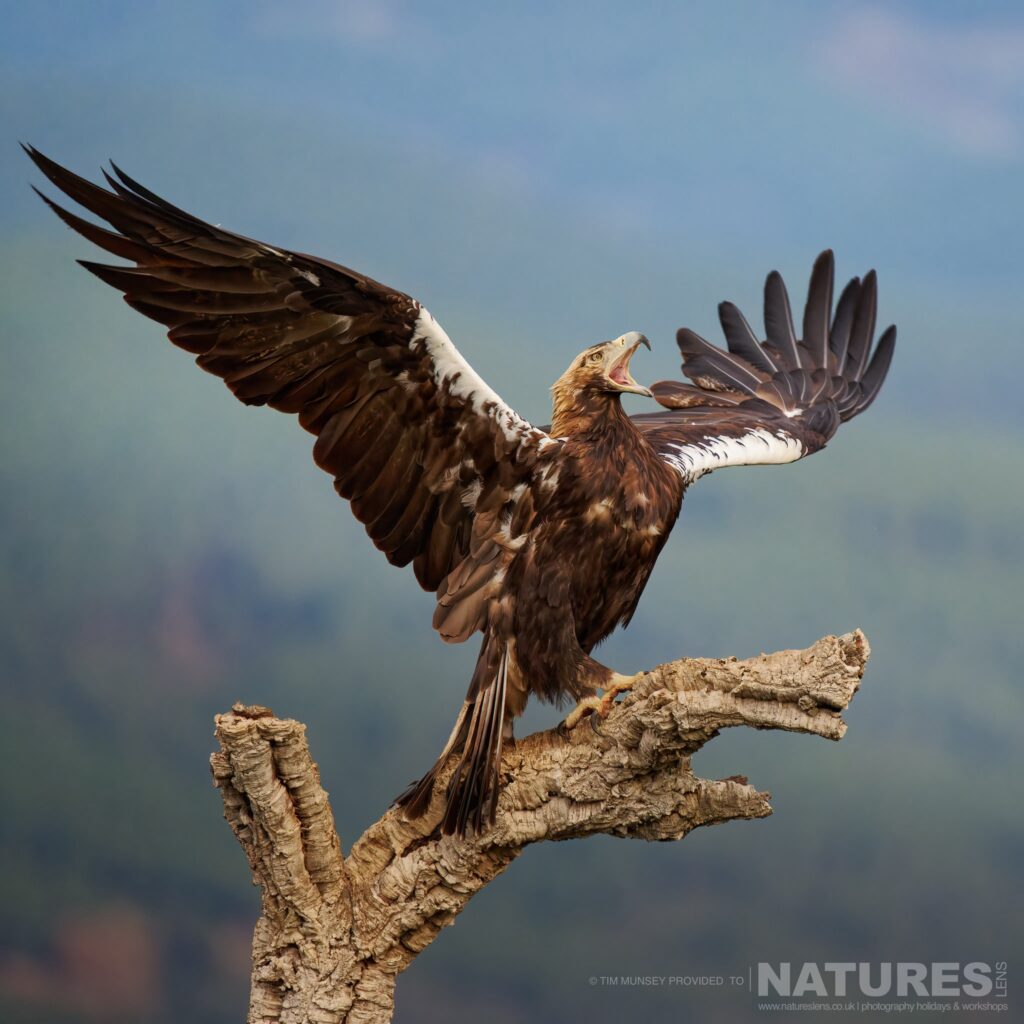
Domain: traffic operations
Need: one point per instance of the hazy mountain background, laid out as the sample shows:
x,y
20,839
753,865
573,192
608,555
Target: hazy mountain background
x,y
543,178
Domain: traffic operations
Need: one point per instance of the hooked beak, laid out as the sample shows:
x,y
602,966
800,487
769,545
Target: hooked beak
x,y
618,372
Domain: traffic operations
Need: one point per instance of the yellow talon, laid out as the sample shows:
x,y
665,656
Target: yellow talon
x,y
602,705
585,705
619,684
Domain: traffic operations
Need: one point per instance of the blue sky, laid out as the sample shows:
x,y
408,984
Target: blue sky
x,y
897,127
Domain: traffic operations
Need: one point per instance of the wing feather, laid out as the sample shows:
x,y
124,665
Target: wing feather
x,y
818,310
778,321
778,400
742,341
402,421
863,329
842,322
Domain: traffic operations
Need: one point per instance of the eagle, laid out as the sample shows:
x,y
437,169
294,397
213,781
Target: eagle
x,y
539,539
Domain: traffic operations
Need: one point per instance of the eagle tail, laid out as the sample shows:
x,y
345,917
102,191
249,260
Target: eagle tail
x,y
416,799
472,794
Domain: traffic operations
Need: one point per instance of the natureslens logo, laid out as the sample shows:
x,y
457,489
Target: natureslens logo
x,y
974,980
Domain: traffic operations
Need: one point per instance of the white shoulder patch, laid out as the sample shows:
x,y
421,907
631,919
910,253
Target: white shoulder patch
x,y
758,447
452,370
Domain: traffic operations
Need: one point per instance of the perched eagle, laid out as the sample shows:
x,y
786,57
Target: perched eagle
x,y
540,540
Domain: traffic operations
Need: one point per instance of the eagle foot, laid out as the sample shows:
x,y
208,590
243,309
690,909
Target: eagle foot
x,y
619,684
585,706
604,704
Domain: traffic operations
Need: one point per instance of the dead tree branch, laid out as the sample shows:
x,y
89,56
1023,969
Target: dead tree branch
x,y
335,931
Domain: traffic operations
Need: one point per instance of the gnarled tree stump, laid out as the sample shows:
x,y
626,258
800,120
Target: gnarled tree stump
x,y
335,931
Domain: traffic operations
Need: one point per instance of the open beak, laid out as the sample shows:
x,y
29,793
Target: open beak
x,y
618,371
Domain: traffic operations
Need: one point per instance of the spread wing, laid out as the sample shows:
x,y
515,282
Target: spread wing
x,y
777,400
436,466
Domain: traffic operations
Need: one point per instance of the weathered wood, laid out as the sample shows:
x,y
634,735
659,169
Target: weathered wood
x,y
335,931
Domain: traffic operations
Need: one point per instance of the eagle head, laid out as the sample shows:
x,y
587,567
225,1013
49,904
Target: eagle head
x,y
605,368
596,375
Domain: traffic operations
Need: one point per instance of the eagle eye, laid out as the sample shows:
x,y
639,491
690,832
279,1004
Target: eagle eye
x,y
595,357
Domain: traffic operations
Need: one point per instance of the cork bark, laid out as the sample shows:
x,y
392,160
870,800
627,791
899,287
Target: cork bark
x,y
336,931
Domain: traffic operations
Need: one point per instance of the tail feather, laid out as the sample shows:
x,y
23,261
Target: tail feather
x,y
471,799
416,799
473,789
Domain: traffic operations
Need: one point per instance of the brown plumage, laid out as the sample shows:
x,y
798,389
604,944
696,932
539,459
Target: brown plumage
x,y
540,540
